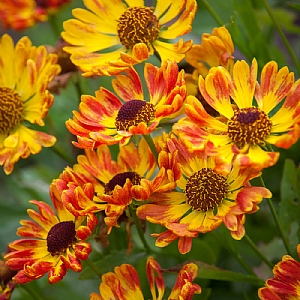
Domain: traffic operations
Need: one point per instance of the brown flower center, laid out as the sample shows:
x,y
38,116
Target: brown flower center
x,y
249,126
137,25
205,190
60,237
120,179
134,112
11,109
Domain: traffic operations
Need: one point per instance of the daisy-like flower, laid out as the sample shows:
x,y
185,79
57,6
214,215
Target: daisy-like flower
x,y
124,283
99,183
22,14
105,119
52,243
286,282
129,30
245,129
25,72
207,199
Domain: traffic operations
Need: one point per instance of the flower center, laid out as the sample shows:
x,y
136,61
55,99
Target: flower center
x,y
249,126
137,25
134,112
120,179
205,190
60,237
11,109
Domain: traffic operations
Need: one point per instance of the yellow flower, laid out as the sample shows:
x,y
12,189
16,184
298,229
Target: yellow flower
x,y
129,30
25,72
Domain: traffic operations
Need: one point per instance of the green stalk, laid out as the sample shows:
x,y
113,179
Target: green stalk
x,y
258,252
151,145
278,225
34,295
62,154
93,267
212,12
282,35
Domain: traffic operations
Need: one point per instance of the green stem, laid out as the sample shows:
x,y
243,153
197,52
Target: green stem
x,y
34,295
61,153
258,252
139,228
278,225
282,35
151,145
212,12
93,267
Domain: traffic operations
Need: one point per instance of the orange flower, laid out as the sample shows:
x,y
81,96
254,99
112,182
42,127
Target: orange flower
x,y
105,119
208,198
286,282
113,35
52,243
25,72
21,14
124,283
244,130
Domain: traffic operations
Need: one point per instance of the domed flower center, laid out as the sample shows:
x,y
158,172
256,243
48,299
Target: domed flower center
x,y
134,112
11,109
137,25
120,179
249,126
205,190
60,237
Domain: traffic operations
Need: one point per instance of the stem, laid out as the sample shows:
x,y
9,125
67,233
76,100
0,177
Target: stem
x,y
282,35
212,12
278,225
93,267
151,145
139,228
61,153
258,252
34,295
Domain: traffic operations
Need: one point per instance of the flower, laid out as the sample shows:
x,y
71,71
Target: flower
x,y
244,130
208,198
286,282
99,183
25,72
22,14
105,119
129,30
52,243
124,283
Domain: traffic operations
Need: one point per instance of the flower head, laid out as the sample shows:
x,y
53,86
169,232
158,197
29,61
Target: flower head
x,y
286,282
208,198
25,72
124,283
6,283
129,30
244,129
52,243
21,14
105,119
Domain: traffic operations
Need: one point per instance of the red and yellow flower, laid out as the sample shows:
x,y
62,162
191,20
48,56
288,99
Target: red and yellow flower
x,y
129,30
105,119
99,183
244,129
286,282
22,14
52,243
25,72
124,283
208,198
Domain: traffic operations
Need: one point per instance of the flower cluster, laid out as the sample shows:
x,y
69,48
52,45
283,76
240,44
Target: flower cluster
x,y
190,145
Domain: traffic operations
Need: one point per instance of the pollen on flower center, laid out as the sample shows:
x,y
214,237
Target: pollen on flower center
x,y
11,109
137,25
249,126
134,112
120,179
60,237
205,190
